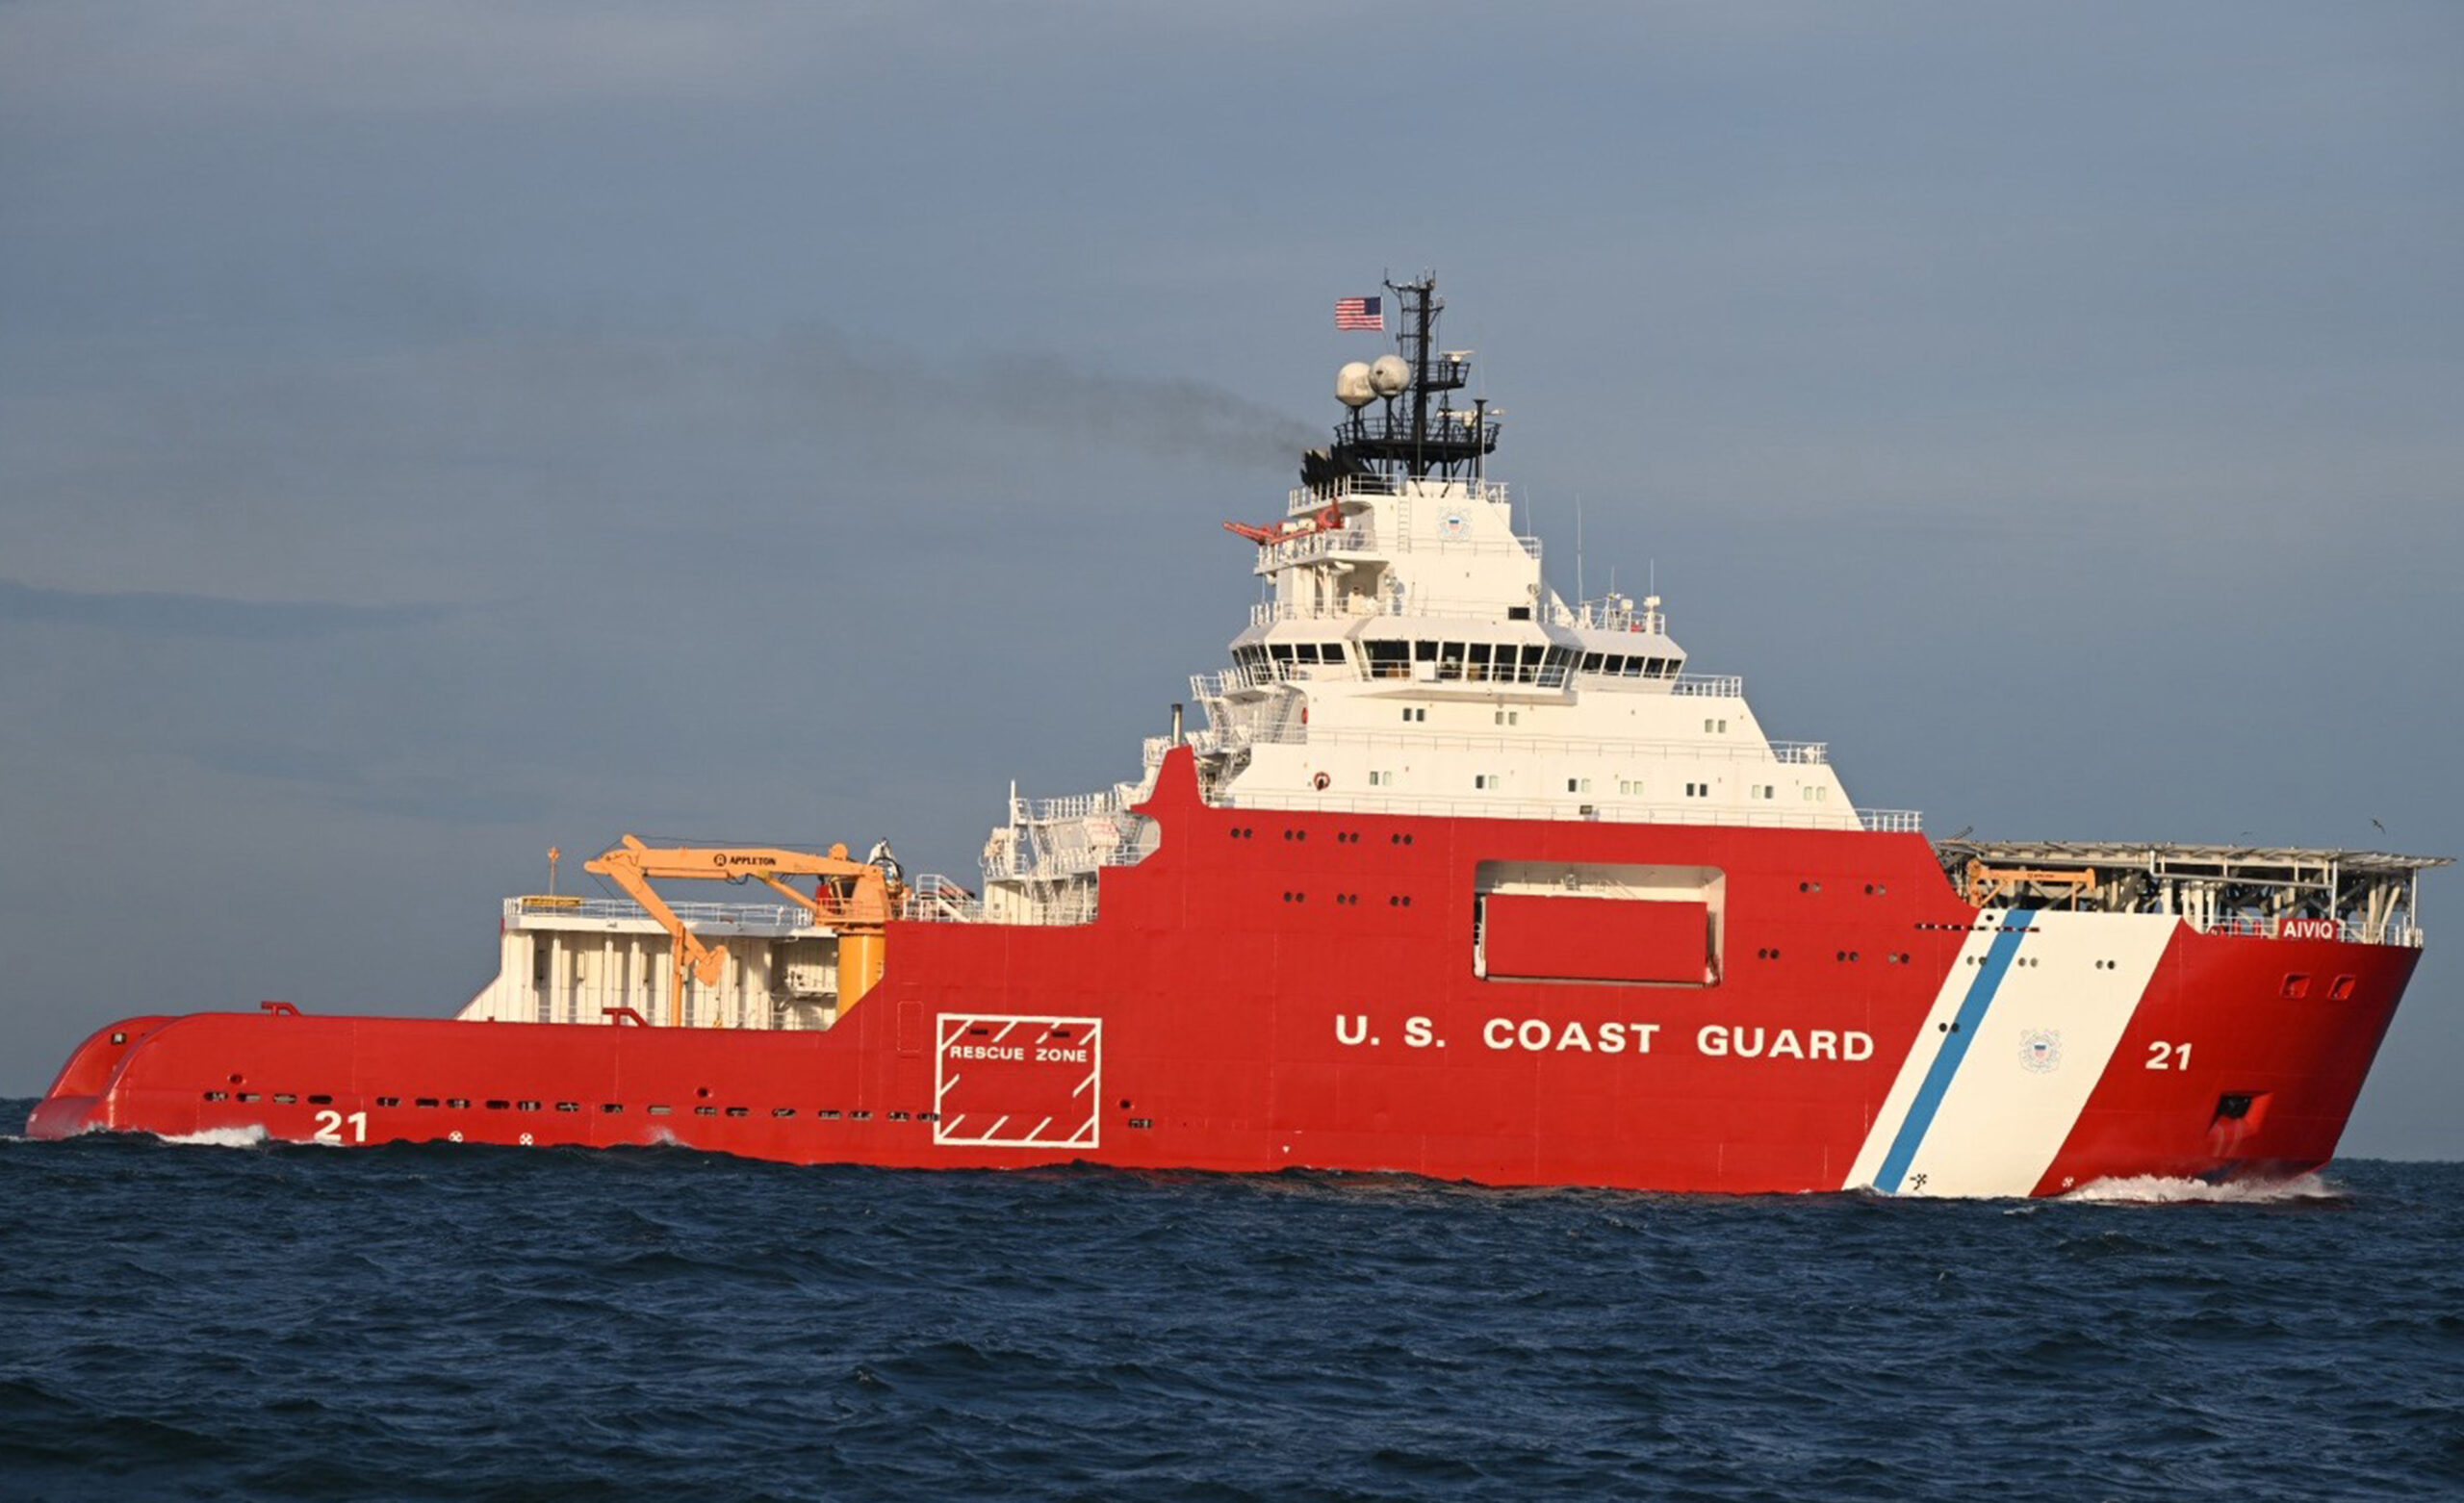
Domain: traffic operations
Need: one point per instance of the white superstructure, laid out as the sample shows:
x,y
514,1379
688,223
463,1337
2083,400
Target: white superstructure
x,y
1407,656
1412,659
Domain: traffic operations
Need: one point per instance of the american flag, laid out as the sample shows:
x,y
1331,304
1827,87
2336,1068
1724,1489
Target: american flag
x,y
1360,313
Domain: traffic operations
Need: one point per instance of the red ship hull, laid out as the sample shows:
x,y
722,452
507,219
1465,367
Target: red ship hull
x,y
1274,989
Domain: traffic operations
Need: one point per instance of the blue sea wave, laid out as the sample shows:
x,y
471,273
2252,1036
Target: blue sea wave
x,y
276,1321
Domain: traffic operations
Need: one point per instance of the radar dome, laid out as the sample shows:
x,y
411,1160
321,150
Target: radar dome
x,y
1351,385
1390,376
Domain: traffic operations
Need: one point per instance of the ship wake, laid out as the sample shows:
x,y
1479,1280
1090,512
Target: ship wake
x,y
2152,1189
250,1136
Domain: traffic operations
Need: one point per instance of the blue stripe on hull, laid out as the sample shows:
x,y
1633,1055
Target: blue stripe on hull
x,y
1947,1060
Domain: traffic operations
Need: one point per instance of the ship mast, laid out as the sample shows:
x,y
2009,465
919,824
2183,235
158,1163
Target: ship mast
x,y
1430,437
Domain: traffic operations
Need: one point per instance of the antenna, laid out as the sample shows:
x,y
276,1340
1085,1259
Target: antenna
x,y
1579,595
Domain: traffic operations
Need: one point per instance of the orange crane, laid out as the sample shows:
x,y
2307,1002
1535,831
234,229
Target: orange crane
x,y
856,899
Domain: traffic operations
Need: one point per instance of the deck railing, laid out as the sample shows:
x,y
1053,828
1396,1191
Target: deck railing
x,y
1714,686
518,912
1608,811
2351,932
1304,499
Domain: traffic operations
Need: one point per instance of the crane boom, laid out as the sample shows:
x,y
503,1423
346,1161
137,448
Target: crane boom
x,y
855,899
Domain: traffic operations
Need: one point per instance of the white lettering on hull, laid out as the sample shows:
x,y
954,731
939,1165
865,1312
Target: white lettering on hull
x,y
1754,1041
1628,1036
1539,1036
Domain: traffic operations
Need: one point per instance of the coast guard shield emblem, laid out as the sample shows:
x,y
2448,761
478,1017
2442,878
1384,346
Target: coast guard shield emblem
x,y
2041,1049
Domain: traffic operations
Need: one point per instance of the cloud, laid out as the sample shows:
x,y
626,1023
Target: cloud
x,y
202,615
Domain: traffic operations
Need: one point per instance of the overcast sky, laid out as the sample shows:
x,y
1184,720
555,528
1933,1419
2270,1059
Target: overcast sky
x,y
430,432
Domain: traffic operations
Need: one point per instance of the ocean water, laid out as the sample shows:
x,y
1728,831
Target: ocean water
x,y
201,1320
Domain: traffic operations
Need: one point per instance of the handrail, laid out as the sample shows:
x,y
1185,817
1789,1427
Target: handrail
x,y
1307,546
1076,805
1606,811
1793,752
1303,499
2351,932
742,915
1893,821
